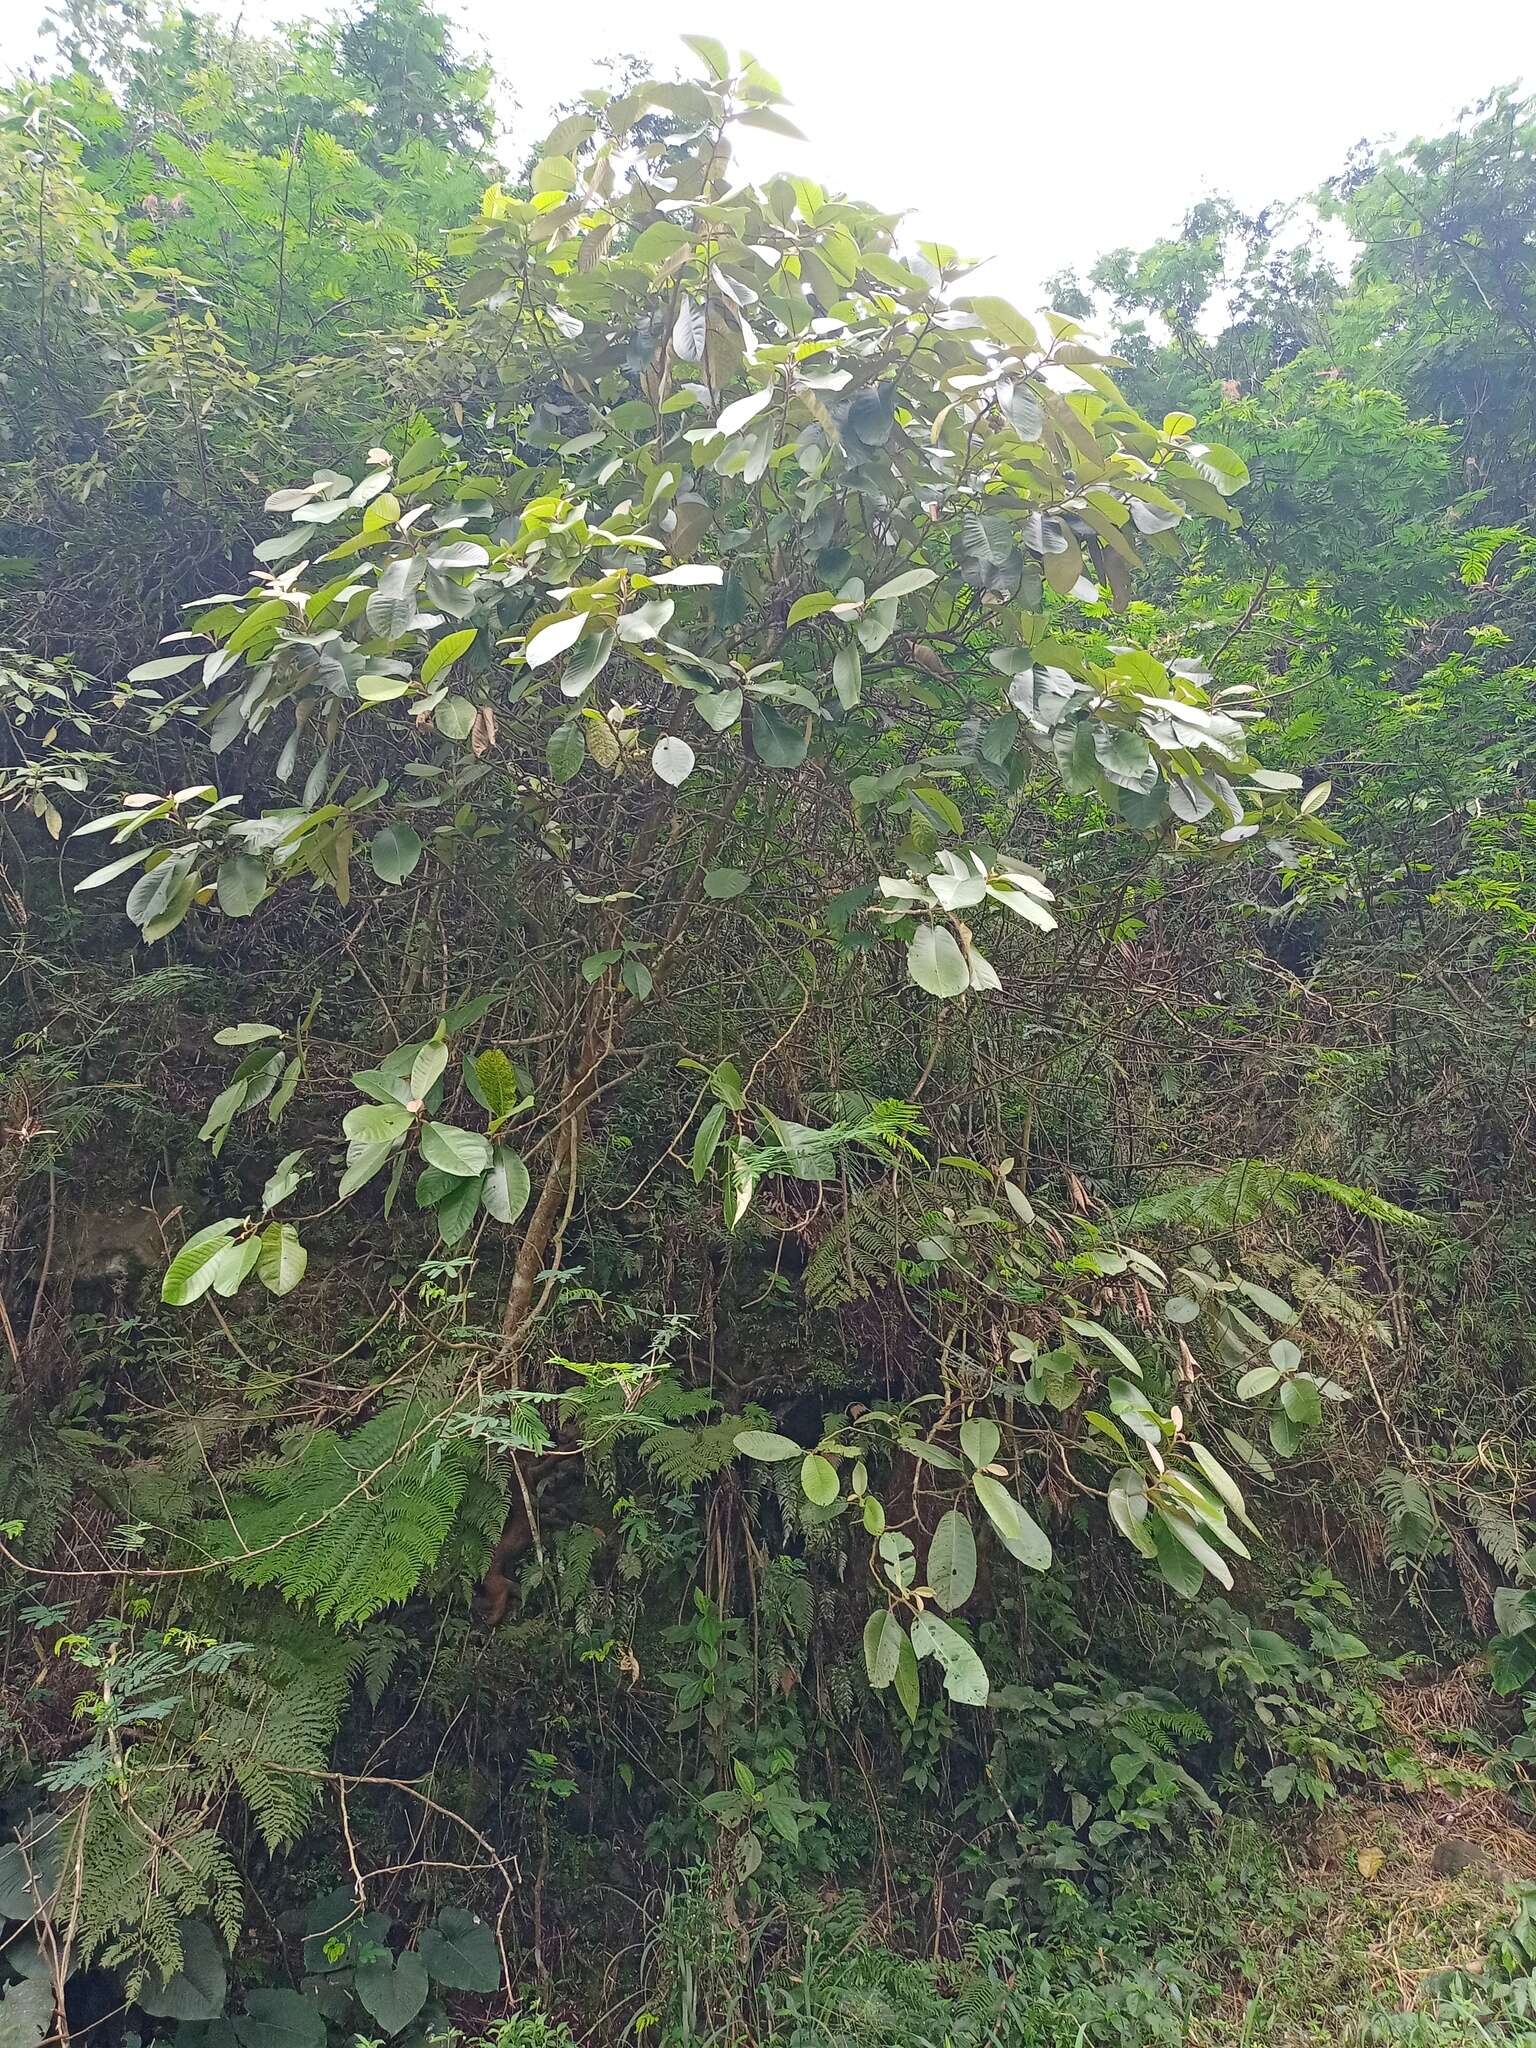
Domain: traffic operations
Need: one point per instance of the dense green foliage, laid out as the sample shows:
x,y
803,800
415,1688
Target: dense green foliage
x,y
765,1185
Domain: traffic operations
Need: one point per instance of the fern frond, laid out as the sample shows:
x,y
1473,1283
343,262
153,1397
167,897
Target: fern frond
x,y
1493,1523
1412,1522
860,1250
680,1458
347,1525
1245,1190
1477,558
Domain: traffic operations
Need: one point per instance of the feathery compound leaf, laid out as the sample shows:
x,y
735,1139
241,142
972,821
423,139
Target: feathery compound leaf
x,y
347,1525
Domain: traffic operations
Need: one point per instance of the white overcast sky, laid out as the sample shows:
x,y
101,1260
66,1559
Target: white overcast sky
x,y
1036,135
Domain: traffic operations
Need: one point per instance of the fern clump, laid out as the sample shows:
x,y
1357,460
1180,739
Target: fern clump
x,y
348,1525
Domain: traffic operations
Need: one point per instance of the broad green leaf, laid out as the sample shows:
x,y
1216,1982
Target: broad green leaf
x,y
442,655
455,718
779,744
965,1676
952,1561
391,1990
848,676
673,760
99,877
931,1454
395,851
280,2019
554,638
713,54
707,1138
163,665
198,1989
376,1123
1085,1326
726,1081
283,1259
245,1034
980,1439
450,1150
587,663
282,1180
28,1874
742,411
767,1447
242,883
1299,1398
719,709
1020,1534
883,1640
1259,1381
691,575
723,883
26,2007
1190,1537
364,1159
906,1682
460,1952
234,1266
1125,759
507,1187
554,174
457,1209
1222,1482
818,1479
191,1272
1274,1306
222,1108
427,1069
902,585
1128,1508
1177,1563
565,750
1004,323
936,963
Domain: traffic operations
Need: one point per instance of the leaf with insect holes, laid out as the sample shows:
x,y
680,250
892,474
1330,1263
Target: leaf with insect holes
x,y
952,1561
965,1676
672,760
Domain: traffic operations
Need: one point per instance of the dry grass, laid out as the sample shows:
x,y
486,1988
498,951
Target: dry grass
x,y
1339,1941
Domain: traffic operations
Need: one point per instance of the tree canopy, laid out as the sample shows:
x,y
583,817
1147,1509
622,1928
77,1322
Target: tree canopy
x,y
768,1135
